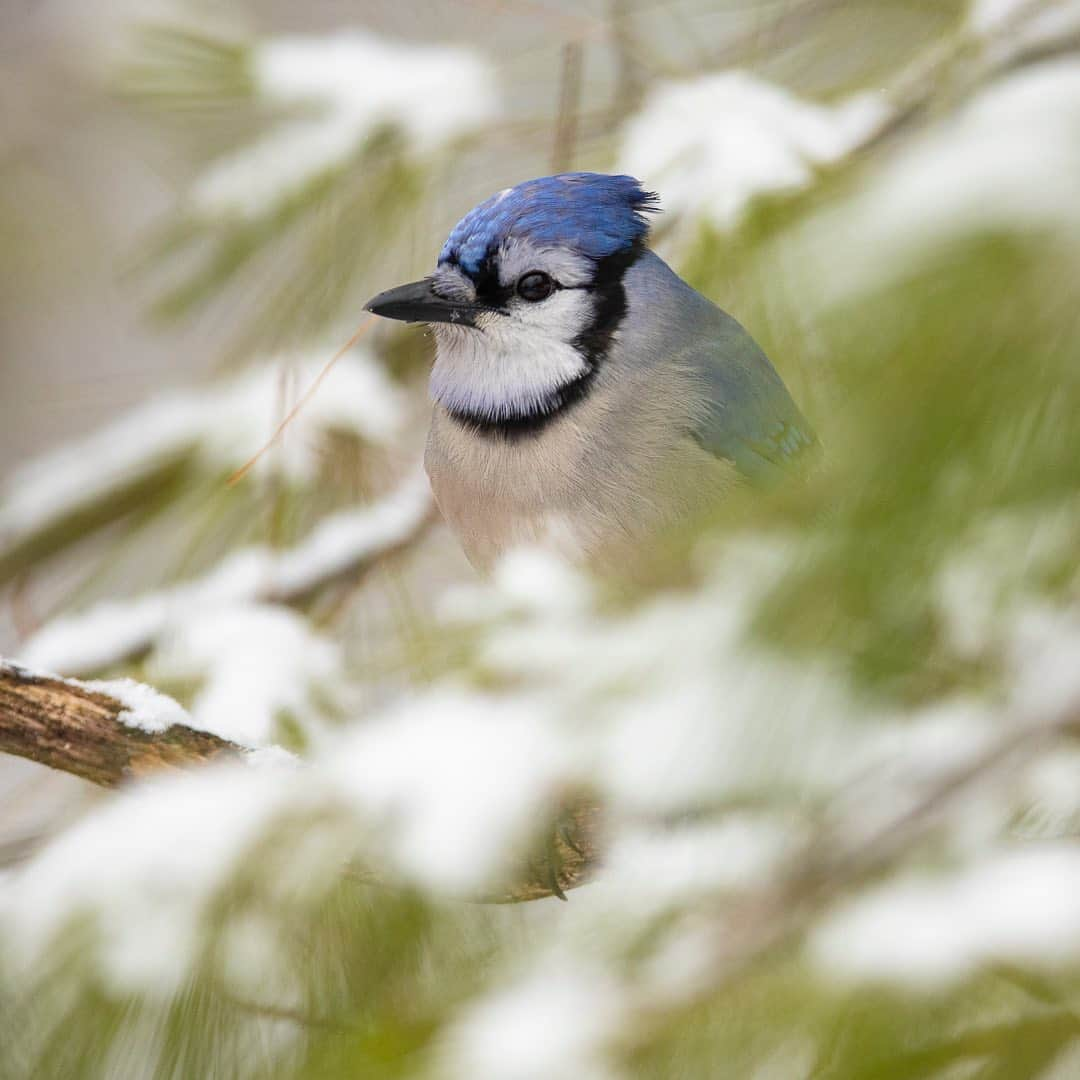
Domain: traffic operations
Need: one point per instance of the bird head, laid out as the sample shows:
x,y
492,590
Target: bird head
x,y
527,294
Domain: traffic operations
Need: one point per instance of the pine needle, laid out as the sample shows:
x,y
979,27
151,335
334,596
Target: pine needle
x,y
244,469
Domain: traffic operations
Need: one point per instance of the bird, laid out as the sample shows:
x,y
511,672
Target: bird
x,y
584,397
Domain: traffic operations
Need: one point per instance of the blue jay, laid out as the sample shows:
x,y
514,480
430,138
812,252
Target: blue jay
x,y
585,397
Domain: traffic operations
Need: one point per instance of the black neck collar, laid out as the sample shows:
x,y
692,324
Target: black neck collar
x,y
592,343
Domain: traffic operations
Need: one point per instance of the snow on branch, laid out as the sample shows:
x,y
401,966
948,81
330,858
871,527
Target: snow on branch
x,y
1014,28
1014,141
217,427
803,904
716,143
353,86
104,732
342,544
111,732
760,139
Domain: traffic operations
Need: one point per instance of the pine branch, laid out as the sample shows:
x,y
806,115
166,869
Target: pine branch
x,y
342,547
82,729
764,922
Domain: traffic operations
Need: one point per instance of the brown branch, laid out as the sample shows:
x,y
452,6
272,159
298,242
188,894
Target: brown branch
x,y
79,730
571,858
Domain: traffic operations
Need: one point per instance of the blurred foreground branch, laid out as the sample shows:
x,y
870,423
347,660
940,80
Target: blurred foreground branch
x,y
789,27
85,730
343,546
957,65
838,860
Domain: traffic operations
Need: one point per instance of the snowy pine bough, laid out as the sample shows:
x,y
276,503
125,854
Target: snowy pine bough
x,y
829,756
352,86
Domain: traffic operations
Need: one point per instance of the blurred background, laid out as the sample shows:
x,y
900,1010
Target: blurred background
x,y
833,734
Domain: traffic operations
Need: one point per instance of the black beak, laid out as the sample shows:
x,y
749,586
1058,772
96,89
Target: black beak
x,y
418,302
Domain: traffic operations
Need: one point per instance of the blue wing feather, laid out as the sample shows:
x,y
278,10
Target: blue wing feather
x,y
750,418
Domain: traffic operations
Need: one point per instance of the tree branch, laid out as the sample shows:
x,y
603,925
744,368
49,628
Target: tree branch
x,y
80,728
343,546
740,936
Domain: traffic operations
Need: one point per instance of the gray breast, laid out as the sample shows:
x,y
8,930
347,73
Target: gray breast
x,y
594,483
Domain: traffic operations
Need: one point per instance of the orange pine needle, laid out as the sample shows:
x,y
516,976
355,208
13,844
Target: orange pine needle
x,y
244,469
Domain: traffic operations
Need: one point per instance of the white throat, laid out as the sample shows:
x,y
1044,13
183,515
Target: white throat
x,y
501,370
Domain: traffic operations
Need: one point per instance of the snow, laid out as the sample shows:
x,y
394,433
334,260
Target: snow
x,y
979,584
665,711
114,630
145,866
144,707
1044,655
253,663
253,965
353,85
1013,26
534,580
662,710
712,145
271,757
681,710
991,16
454,783
344,540
45,489
19,671
554,1022
222,424
109,632
1017,907
989,602
921,746
1049,794
663,867
1015,143
526,580
724,733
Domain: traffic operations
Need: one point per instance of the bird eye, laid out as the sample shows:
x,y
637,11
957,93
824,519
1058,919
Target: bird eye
x,y
534,286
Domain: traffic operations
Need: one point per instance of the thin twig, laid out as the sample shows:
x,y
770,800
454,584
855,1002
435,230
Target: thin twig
x,y
566,116
789,27
630,76
308,394
288,1015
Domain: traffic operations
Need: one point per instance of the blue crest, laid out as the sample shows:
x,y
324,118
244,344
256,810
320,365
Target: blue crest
x,y
592,213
